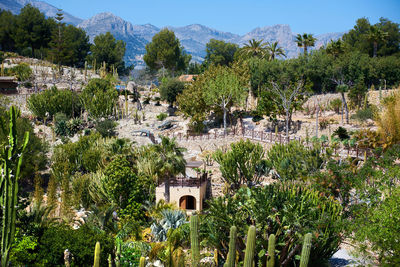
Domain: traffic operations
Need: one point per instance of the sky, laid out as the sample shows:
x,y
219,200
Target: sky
x,y
240,17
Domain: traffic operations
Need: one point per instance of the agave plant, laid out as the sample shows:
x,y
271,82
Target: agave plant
x,y
171,219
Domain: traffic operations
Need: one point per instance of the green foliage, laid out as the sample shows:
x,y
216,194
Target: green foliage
x,y
50,102
305,41
250,247
24,249
243,164
305,252
336,105
287,211
341,133
11,160
169,90
35,151
80,243
362,115
194,240
220,52
106,128
107,49
165,51
162,116
293,161
99,98
171,219
22,71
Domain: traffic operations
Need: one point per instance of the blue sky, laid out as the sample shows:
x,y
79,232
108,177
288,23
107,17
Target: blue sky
x,y
311,16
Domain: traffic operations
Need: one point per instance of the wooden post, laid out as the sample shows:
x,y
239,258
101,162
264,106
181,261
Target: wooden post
x,y
252,134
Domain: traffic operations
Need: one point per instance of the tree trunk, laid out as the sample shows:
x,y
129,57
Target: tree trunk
x,y
287,125
305,50
166,189
316,122
346,110
225,112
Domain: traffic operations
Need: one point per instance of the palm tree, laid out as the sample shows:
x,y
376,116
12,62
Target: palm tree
x,y
254,49
375,36
274,50
305,41
335,48
170,162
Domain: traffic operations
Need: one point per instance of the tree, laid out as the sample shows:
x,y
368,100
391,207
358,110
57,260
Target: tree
x,y
107,49
392,41
7,28
305,41
356,38
376,36
165,52
170,162
32,29
274,50
223,90
169,90
254,48
244,164
220,52
335,48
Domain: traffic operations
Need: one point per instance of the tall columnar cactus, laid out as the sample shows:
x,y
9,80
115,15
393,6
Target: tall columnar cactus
x,y
230,261
109,260
305,252
118,255
142,262
97,255
250,246
11,160
194,239
271,251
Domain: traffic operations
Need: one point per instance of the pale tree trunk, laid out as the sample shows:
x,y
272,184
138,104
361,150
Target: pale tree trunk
x,y
287,125
166,189
225,112
346,110
316,121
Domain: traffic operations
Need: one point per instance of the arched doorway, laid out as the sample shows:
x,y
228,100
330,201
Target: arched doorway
x,y
187,202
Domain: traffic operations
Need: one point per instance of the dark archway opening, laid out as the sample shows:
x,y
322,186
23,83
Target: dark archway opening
x,y
187,203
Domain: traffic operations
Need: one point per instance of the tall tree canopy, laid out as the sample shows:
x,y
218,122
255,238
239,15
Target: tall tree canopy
x,y
165,51
220,52
305,41
107,49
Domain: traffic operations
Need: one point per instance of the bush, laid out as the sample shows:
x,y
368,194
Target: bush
x,y
53,101
362,115
341,133
36,149
293,161
170,89
288,211
22,71
336,105
80,242
99,98
323,123
162,116
106,128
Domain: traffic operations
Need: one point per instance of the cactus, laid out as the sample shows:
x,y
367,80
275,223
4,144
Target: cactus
x,y
305,252
97,255
109,260
11,161
194,239
85,69
216,257
118,255
142,262
230,262
250,246
271,251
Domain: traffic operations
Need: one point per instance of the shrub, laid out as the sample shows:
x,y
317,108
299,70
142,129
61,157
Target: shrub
x,y
106,128
53,101
323,123
363,115
162,116
293,161
288,211
388,120
35,151
99,98
170,89
341,133
336,105
80,242
22,71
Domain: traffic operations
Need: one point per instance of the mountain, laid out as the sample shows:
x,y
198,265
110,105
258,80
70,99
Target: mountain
x,y
193,37
50,11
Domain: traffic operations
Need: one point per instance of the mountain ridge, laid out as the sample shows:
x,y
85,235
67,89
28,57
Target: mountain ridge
x,y
193,37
